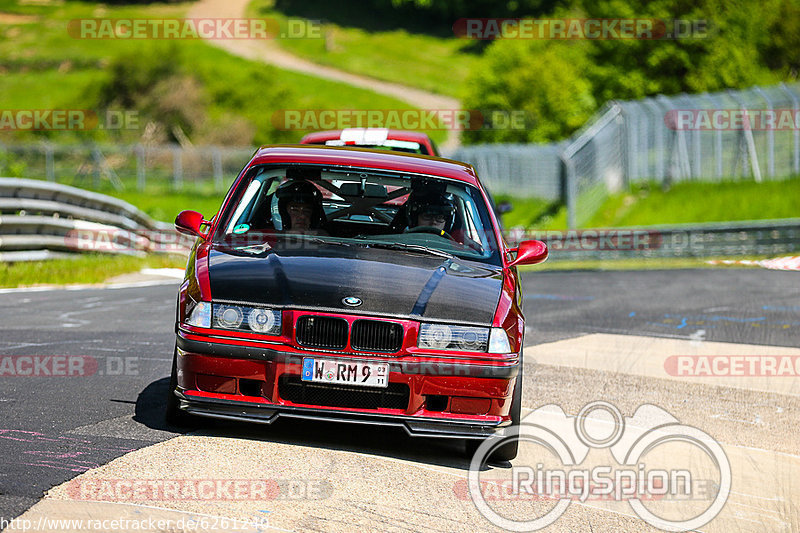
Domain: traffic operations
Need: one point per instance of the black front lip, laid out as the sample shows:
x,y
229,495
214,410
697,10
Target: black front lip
x,y
267,414
476,370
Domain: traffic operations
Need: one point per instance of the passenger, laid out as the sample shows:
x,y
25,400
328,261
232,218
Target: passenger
x,y
300,208
436,211
432,211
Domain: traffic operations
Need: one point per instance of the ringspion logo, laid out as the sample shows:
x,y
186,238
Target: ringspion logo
x,y
675,477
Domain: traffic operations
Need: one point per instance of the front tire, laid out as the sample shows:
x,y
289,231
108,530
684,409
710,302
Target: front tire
x,y
510,449
173,415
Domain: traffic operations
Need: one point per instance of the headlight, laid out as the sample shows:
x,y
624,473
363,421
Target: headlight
x,y
446,337
200,315
243,318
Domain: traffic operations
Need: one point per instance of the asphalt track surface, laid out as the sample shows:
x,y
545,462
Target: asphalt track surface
x,y
54,428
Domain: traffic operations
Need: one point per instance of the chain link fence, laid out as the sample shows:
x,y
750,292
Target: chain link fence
x,y
661,139
748,134
123,167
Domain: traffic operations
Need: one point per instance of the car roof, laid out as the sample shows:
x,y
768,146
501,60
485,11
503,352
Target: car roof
x,y
365,158
397,135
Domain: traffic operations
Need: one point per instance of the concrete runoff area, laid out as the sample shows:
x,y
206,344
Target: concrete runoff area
x,y
303,475
312,487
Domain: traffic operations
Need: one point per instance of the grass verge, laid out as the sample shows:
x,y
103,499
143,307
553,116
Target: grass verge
x,y
96,268
165,206
691,202
85,268
436,64
683,203
43,67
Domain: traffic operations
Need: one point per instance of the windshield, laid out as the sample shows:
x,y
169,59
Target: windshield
x,y
359,207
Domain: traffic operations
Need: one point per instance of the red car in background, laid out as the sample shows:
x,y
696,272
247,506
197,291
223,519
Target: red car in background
x,y
412,142
356,286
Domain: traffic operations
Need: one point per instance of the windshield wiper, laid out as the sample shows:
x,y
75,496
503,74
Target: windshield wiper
x,y
317,240
410,247
253,248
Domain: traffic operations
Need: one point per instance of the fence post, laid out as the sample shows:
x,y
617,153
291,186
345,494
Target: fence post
x,y
141,162
49,164
569,188
631,132
177,168
747,134
216,162
795,131
98,161
697,151
658,135
717,139
770,134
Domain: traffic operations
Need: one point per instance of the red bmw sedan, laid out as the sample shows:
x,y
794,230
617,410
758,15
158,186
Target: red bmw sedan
x,y
355,286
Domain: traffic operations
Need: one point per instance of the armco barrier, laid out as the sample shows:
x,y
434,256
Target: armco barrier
x,y
41,220
757,237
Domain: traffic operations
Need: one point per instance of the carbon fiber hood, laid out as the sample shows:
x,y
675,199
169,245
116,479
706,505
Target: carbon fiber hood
x,y
388,282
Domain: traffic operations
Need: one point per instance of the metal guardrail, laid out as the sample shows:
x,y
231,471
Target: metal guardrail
x,y
718,239
41,220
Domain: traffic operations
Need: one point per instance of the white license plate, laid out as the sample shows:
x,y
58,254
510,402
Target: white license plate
x,y
352,373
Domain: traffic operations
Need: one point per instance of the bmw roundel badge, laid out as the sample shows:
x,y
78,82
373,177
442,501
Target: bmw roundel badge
x,y
352,301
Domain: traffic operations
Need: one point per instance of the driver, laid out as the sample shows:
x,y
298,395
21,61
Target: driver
x,y
300,207
433,210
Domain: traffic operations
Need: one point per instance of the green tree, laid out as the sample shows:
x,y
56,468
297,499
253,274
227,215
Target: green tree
x,y
546,81
733,44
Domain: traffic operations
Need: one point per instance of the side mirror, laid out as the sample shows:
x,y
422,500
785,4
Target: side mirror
x,y
530,253
189,223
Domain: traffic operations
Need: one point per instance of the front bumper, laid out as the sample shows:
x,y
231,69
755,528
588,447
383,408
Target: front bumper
x,y
222,379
